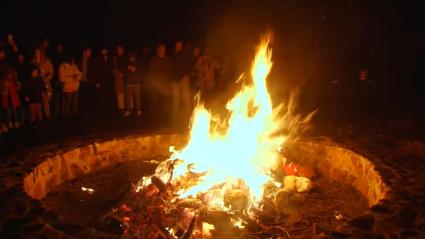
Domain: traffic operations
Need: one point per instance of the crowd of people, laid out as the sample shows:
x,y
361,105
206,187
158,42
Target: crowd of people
x,y
48,83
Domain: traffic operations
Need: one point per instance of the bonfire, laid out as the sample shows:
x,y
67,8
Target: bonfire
x,y
226,181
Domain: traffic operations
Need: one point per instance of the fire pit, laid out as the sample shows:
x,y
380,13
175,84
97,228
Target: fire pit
x,y
44,171
87,190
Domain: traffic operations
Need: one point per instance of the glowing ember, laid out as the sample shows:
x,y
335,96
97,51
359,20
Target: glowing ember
x,y
228,161
89,190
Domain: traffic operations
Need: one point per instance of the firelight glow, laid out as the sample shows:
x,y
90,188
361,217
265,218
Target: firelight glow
x,y
241,155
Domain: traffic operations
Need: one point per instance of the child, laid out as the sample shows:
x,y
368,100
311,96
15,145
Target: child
x,y
10,98
34,95
133,88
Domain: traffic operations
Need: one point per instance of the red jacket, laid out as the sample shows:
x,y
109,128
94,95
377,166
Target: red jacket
x,y
10,92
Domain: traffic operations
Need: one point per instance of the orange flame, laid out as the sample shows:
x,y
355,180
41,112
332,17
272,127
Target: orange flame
x,y
246,150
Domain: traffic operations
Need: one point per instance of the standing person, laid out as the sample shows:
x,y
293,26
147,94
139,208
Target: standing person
x,y
133,86
10,98
33,95
144,58
120,63
46,67
206,67
160,76
180,85
23,68
3,62
3,72
44,45
58,57
70,76
86,85
103,81
196,53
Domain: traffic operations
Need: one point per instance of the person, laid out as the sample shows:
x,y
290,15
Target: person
x,y
12,46
58,57
10,97
33,95
133,86
3,70
3,61
144,58
70,76
103,82
196,53
206,67
160,76
23,68
119,62
87,88
44,45
46,67
180,85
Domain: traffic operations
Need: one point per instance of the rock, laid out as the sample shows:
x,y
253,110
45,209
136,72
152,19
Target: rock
x,y
364,222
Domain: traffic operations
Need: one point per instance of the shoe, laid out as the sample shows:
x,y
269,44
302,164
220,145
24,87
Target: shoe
x,y
10,125
17,125
127,113
139,113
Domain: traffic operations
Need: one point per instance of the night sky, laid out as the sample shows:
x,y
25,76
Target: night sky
x,y
313,39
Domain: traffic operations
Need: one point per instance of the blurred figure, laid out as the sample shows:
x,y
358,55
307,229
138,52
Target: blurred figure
x,y
70,76
133,86
58,57
87,88
160,76
12,45
180,84
44,45
206,68
46,67
10,98
3,61
3,68
103,82
120,63
196,53
23,68
144,59
33,95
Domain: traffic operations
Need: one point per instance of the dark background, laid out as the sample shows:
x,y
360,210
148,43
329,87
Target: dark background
x,y
316,42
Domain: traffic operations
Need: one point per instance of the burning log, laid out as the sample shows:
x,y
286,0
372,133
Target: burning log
x,y
158,183
189,231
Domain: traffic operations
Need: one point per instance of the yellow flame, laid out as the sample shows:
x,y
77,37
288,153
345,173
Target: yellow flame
x,y
248,147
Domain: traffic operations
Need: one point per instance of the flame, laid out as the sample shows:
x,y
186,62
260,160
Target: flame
x,y
240,152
